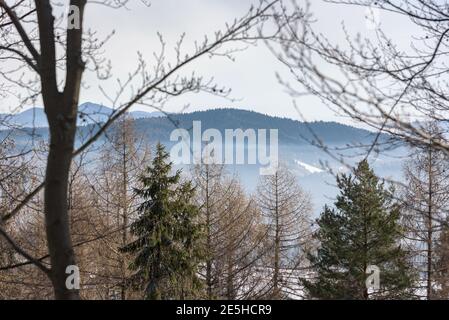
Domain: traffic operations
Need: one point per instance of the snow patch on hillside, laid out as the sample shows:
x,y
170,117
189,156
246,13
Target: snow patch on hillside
x,y
308,167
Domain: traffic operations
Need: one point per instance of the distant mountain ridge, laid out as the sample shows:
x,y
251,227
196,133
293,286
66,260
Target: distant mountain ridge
x,y
294,149
88,113
156,126
290,131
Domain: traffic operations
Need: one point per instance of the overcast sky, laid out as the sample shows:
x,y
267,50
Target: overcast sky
x,y
251,76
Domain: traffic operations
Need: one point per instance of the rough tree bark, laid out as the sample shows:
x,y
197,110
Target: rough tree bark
x,y
60,97
61,109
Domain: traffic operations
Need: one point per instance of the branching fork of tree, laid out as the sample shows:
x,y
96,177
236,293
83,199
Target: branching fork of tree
x,y
44,61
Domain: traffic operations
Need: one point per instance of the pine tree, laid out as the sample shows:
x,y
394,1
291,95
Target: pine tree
x,y
166,251
362,230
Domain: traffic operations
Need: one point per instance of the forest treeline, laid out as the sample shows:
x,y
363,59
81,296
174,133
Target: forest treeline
x,y
159,128
143,230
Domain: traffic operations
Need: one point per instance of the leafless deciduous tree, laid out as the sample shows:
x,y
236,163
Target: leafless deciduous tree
x,y
123,159
442,265
426,201
375,78
286,209
233,235
45,61
392,85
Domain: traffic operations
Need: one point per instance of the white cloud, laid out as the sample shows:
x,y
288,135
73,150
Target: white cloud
x,y
251,77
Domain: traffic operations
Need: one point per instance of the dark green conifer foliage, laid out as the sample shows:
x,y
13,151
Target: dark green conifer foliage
x,y
166,234
362,230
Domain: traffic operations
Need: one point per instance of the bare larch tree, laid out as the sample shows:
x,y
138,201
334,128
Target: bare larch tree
x,y
45,61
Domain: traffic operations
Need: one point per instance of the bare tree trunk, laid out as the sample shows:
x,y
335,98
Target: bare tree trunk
x,y
277,242
208,242
286,209
61,109
365,293
124,211
60,78
56,210
429,229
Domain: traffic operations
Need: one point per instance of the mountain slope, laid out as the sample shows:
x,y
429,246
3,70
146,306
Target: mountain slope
x,y
290,131
294,151
88,113
155,127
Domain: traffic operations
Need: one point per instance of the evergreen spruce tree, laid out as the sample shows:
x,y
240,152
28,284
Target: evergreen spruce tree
x,y
166,234
362,230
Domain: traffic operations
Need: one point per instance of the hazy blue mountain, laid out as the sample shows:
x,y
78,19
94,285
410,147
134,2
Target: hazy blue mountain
x,y
144,114
290,131
294,150
88,113
308,162
34,117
